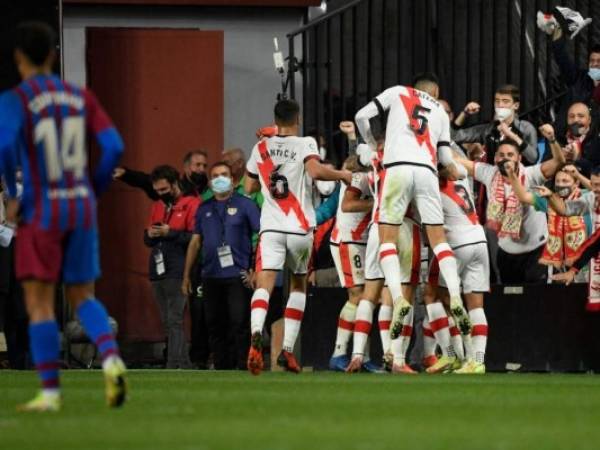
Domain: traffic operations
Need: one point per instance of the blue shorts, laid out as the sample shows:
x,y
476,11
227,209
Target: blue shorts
x,y
49,255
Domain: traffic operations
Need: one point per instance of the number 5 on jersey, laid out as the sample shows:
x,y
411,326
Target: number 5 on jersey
x,y
66,154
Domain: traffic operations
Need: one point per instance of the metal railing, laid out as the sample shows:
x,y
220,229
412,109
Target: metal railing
x,y
364,46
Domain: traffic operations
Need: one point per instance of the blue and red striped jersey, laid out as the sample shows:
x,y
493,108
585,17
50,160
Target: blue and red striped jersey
x,y
44,127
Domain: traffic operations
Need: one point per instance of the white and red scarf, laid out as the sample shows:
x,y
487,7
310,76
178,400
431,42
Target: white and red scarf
x,y
504,213
565,236
593,303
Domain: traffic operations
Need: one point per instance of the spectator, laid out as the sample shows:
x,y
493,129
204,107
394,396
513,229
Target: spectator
x,y
583,83
168,234
564,236
237,161
581,138
506,125
224,228
522,231
193,182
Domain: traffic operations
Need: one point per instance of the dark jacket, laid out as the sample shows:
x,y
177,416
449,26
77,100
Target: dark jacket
x,y
181,220
141,180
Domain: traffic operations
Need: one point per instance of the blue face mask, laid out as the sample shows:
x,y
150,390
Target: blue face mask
x,y
594,73
221,184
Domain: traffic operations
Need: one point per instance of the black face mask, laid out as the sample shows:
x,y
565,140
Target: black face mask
x,y
168,198
200,180
502,166
575,129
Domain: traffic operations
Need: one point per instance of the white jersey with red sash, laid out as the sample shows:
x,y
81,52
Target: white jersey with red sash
x,y
278,163
352,226
460,218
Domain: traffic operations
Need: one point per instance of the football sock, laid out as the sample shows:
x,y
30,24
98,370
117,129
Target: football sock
x,y
448,268
438,322
384,318
362,326
428,339
390,265
94,318
479,333
294,311
44,342
345,328
456,339
258,310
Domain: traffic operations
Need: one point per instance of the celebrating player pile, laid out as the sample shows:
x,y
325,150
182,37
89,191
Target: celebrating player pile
x,y
43,126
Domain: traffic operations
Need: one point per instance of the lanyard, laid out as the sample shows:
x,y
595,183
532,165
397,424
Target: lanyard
x,y
223,220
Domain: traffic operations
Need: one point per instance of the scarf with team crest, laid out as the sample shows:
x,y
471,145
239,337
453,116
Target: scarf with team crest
x,y
593,303
504,213
565,236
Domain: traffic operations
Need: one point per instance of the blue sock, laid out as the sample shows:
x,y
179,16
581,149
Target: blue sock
x,y
94,318
44,342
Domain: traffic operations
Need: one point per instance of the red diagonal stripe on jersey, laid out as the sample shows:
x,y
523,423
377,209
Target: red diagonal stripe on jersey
x,y
449,190
410,101
290,203
479,330
361,227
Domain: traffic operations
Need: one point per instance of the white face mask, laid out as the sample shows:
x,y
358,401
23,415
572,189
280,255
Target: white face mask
x,y
325,188
503,113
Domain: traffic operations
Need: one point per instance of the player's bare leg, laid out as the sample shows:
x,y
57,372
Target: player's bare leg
x,y
362,325
294,311
449,270
44,345
476,365
94,318
390,265
265,282
339,359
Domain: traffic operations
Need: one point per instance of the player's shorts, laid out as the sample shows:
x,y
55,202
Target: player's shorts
x,y
409,248
473,266
277,249
53,256
404,183
349,259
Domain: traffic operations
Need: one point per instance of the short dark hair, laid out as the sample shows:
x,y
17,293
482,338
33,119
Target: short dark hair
x,y
188,156
286,112
36,40
165,172
595,171
509,89
219,164
425,77
511,143
595,49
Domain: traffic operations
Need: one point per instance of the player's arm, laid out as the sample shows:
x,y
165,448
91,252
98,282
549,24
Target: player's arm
x,y
466,163
251,182
190,259
108,139
318,171
374,108
11,121
352,202
444,152
550,167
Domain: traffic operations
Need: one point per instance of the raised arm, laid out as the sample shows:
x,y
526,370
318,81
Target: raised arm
x,y
550,167
318,171
522,194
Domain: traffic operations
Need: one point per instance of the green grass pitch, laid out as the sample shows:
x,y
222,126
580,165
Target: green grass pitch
x,y
311,411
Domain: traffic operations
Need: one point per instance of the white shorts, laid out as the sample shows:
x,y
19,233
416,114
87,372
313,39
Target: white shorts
x,y
473,265
276,249
404,183
409,248
349,259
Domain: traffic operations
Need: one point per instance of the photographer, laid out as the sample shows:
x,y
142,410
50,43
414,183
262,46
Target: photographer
x,y
522,231
168,234
224,228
